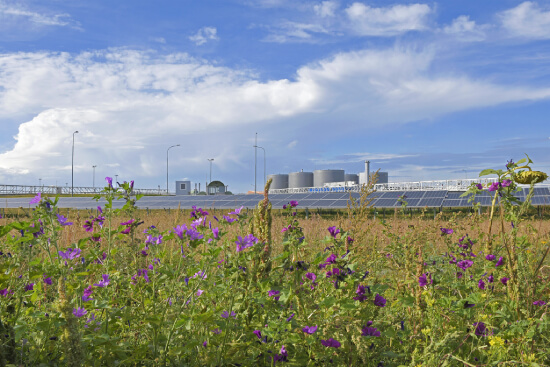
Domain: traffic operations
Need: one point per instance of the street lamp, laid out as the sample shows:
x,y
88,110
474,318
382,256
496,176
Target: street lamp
x,y
255,160
72,167
167,150
116,179
256,146
93,182
39,182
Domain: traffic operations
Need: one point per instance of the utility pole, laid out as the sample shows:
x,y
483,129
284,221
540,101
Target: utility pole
x,y
72,167
93,182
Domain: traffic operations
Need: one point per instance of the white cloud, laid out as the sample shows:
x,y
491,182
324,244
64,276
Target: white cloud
x,y
387,21
465,29
326,8
527,20
204,35
11,13
295,32
360,157
129,106
293,143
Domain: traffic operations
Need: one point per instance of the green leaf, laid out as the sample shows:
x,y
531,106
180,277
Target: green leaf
x,y
486,172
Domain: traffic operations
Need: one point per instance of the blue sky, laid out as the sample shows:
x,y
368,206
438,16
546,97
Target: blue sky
x,y
425,90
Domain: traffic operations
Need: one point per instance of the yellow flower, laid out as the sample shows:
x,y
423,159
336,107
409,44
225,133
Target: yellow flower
x,y
529,177
426,331
496,341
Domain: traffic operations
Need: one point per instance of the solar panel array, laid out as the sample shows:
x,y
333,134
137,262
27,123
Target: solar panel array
x,y
328,200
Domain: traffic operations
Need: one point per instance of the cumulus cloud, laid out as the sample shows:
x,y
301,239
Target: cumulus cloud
x,y
204,35
326,8
527,20
465,29
387,21
129,106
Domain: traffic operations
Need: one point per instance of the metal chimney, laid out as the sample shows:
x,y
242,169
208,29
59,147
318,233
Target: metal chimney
x,y
367,172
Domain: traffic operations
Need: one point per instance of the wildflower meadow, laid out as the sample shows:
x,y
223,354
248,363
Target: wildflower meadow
x,y
216,290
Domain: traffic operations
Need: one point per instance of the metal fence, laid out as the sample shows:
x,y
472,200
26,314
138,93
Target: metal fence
x,y
66,190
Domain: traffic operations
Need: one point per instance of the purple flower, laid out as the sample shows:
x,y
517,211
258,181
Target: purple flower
x,y
216,232
479,186
539,303
79,312
490,257
199,292
29,287
499,262
369,331
379,301
331,343
481,284
109,181
104,282
289,318
494,186
236,211
481,329
36,199
178,230
205,343
293,203
217,331
247,241
274,293
467,304
311,276
63,221
445,231
309,329
350,240
465,264
4,292
87,293
331,259
506,183
333,231
70,254
47,280
504,280
225,314
423,280
229,219
490,278
258,333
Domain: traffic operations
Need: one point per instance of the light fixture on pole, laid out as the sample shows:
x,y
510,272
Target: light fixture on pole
x,y
210,160
116,179
39,182
256,146
72,167
255,160
167,150
93,181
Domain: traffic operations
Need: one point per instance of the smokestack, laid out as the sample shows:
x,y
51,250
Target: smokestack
x,y
367,171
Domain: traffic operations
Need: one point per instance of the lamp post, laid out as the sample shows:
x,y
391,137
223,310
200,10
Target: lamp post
x,y
72,167
116,179
39,182
167,150
256,146
255,160
93,180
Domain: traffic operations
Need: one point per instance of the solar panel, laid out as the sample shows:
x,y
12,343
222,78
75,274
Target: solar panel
x,y
393,194
341,203
483,200
431,202
335,195
410,202
435,194
454,195
540,200
414,194
385,203
541,191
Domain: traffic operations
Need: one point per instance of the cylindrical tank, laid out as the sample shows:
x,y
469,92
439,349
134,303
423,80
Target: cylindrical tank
x,y
280,181
323,176
352,177
382,177
298,180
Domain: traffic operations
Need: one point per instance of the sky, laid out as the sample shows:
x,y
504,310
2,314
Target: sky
x,y
424,90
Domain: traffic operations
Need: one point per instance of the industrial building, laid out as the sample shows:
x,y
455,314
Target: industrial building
x,y
323,178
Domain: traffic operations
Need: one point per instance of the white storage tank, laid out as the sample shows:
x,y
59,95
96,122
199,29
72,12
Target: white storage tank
x,y
324,176
297,180
280,181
